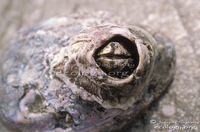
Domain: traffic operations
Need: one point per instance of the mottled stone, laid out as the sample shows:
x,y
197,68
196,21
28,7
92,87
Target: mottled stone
x,y
168,110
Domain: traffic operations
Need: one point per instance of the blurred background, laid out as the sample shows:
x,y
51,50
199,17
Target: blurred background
x,y
179,108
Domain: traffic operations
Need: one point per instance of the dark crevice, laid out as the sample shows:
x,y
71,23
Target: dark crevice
x,y
110,68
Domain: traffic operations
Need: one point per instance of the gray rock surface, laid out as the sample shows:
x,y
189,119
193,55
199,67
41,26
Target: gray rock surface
x,y
178,19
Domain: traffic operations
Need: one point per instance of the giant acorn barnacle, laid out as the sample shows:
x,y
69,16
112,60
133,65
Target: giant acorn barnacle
x,y
83,74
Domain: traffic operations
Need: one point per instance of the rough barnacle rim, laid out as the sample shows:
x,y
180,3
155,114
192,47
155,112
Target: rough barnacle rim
x,y
90,40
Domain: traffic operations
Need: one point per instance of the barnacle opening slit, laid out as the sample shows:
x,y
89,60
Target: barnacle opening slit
x,y
118,57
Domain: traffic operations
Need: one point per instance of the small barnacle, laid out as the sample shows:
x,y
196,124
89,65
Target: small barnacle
x,y
101,79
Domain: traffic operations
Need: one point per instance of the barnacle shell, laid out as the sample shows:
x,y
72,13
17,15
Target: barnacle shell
x,y
83,73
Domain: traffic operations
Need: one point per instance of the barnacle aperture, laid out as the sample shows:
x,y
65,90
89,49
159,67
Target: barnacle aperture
x,y
118,57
